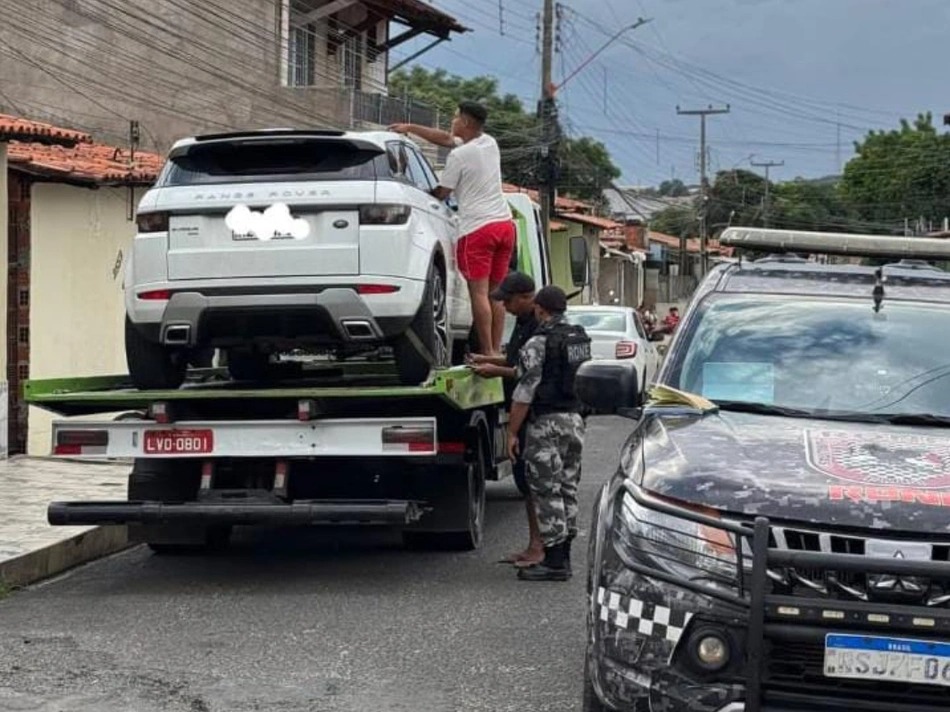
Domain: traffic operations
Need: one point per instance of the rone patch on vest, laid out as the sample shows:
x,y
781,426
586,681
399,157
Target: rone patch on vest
x,y
880,459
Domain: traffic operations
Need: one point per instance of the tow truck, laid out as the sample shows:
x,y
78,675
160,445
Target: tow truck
x,y
325,443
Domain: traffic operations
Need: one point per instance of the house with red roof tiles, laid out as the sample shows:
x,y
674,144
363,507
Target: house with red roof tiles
x,y
67,205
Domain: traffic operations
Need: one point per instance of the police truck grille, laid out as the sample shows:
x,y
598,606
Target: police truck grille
x,y
839,585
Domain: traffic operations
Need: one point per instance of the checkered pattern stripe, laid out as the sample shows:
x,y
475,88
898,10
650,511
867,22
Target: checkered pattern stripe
x,y
645,618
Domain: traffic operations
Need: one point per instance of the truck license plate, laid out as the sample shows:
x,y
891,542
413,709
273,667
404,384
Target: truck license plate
x,y
860,657
178,442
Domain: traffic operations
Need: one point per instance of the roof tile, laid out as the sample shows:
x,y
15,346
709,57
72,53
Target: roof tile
x,y
86,163
13,128
592,220
562,203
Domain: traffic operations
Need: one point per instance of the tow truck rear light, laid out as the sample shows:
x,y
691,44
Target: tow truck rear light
x,y
152,222
625,349
384,214
81,442
376,288
156,295
409,438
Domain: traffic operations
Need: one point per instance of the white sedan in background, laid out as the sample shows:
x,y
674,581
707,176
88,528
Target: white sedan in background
x,y
617,333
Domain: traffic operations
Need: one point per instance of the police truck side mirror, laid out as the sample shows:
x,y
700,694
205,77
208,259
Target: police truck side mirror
x,y
608,388
580,262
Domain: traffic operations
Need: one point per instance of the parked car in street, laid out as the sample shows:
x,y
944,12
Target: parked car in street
x,y
260,242
618,334
775,536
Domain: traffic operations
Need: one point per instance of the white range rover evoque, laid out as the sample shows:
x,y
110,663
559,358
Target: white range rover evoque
x,y
263,242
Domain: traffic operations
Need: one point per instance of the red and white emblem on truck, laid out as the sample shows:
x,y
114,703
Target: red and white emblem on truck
x,y
892,460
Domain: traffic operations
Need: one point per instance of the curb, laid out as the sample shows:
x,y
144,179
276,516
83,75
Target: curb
x,y
63,555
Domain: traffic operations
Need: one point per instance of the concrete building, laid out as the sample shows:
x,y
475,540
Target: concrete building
x,y
66,216
179,68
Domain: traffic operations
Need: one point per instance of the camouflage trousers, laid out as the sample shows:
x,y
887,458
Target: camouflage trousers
x,y
552,456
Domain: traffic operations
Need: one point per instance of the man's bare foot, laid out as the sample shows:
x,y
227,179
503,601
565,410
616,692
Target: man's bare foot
x,y
526,558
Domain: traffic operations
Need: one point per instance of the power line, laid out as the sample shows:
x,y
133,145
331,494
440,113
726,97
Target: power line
x,y
703,186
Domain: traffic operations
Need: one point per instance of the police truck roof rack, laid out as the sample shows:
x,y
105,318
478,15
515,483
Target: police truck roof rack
x,y
834,243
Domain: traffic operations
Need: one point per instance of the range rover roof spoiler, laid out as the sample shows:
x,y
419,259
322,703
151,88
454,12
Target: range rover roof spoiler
x,y
268,132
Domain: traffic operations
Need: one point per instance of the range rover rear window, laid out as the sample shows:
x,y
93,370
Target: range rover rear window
x,y
272,161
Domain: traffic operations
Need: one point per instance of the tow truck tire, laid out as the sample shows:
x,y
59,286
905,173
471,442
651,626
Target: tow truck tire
x,y
170,481
429,330
470,537
151,365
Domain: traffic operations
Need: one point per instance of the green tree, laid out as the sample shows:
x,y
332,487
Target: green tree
x,y
678,221
586,167
809,205
898,174
673,188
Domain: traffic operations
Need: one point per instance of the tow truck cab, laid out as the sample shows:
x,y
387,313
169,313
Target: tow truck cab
x,y
775,537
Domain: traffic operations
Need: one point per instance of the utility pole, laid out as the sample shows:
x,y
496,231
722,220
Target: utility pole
x,y
547,112
703,187
766,203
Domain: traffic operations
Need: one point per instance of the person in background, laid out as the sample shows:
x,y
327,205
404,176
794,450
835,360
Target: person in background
x,y
516,293
473,173
672,320
545,404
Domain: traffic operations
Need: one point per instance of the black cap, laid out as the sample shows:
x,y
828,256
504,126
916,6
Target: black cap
x,y
514,284
552,299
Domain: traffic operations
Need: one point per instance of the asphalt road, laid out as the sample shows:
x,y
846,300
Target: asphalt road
x,y
308,620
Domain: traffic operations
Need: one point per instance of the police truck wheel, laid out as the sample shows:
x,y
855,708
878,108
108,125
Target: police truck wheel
x,y
590,702
169,481
152,366
425,345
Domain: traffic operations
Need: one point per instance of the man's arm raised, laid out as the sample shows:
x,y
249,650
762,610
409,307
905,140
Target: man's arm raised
x,y
436,136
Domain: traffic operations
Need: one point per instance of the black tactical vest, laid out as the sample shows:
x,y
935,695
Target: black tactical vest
x,y
566,347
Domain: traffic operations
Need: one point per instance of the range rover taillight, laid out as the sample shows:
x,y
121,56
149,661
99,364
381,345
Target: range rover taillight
x,y
384,214
152,222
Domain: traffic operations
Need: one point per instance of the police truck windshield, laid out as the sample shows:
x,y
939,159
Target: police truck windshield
x,y
819,355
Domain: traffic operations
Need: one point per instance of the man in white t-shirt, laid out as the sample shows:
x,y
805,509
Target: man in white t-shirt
x,y
473,173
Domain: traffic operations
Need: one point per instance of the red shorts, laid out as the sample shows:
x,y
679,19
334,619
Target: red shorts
x,y
486,253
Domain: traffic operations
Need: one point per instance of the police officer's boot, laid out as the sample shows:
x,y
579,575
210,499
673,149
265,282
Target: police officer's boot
x,y
567,551
554,567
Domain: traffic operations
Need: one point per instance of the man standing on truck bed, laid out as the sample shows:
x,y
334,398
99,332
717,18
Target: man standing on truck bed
x,y
545,399
473,173
516,293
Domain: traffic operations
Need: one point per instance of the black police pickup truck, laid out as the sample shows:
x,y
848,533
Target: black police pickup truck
x,y
779,540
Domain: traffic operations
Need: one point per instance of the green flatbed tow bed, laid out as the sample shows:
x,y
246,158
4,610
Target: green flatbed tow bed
x,y
458,387
330,444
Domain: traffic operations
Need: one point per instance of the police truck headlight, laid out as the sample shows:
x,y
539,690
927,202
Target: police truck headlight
x,y
682,547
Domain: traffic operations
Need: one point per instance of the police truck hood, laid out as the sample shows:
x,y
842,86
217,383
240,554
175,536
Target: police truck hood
x,y
834,473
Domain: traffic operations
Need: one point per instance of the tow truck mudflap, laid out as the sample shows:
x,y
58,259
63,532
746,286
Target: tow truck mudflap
x,y
355,512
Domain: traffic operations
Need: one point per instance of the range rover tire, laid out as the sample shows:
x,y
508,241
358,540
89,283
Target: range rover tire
x,y
425,345
151,365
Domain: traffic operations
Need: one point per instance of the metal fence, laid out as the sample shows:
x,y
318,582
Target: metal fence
x,y
383,110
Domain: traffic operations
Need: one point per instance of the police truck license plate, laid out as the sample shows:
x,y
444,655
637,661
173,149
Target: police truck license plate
x,y
860,657
178,442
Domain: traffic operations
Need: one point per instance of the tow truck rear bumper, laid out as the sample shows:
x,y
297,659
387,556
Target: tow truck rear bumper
x,y
365,512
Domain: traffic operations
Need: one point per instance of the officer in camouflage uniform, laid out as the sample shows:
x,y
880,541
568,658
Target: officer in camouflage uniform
x,y
544,403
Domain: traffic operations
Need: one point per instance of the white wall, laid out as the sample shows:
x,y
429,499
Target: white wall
x,y
76,308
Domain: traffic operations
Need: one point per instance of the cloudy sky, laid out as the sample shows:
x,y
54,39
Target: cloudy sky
x,y
797,74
